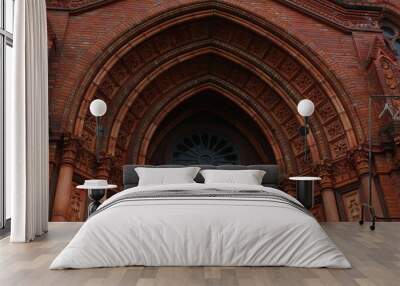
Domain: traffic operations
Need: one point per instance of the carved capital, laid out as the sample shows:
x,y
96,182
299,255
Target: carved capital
x,y
71,147
103,170
325,170
359,159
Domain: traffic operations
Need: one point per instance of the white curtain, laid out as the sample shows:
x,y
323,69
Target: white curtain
x,y
27,124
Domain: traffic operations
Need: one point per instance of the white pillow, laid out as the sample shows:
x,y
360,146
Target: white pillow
x,y
165,176
247,177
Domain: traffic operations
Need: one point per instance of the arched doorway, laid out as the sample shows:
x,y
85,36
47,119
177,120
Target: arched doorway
x,y
209,129
216,52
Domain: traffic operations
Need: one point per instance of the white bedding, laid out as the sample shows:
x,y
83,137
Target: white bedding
x,y
200,231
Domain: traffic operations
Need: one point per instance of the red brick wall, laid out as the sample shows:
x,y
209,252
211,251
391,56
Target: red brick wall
x,y
334,47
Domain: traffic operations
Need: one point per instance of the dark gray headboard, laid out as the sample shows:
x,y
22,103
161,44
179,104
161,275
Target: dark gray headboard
x,y
271,177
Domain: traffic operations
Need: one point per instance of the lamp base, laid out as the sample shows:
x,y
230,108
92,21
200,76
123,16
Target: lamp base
x,y
95,196
305,193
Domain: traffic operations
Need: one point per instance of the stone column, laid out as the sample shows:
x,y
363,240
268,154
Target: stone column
x,y
325,171
359,158
64,183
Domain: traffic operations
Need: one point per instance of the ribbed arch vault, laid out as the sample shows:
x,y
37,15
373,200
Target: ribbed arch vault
x,y
258,67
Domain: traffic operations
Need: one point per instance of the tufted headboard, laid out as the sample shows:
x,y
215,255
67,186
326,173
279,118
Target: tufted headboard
x,y
271,177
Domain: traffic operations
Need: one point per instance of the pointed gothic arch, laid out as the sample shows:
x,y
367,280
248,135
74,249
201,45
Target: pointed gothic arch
x,y
131,76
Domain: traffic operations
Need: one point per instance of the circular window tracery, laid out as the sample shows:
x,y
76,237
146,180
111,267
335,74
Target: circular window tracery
x,y
205,148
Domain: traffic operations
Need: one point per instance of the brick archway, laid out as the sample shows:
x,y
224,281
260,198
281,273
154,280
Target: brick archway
x,y
244,79
102,79
302,78
141,103
268,66
193,87
272,66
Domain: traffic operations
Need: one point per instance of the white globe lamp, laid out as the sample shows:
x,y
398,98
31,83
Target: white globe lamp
x,y
98,107
305,107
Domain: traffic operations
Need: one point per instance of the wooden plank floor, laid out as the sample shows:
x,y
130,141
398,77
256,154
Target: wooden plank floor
x,y
375,257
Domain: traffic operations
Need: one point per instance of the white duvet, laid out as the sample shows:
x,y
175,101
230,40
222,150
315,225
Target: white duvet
x,y
200,231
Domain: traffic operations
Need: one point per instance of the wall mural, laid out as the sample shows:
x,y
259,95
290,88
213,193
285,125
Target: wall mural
x,y
147,65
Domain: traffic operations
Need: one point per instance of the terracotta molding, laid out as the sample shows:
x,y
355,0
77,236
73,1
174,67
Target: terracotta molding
x,y
70,150
223,88
346,16
346,20
244,15
76,6
278,84
325,170
359,159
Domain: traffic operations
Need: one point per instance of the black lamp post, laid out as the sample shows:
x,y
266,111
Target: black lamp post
x,y
98,108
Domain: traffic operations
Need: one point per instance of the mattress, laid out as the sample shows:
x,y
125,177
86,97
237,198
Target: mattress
x,y
201,225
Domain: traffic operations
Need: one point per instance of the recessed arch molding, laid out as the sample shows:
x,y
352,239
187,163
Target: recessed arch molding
x,y
154,67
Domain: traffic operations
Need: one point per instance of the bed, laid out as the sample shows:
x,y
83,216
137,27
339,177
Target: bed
x,y
197,224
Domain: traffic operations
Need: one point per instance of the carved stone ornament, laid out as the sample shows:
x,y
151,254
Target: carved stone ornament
x,y
388,73
344,170
339,148
303,81
325,170
76,211
71,148
352,205
339,16
334,129
359,160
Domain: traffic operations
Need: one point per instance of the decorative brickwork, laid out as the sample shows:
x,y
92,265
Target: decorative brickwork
x,y
145,58
352,204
